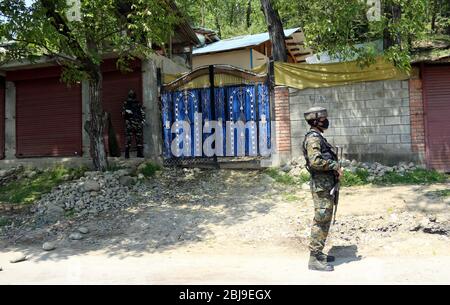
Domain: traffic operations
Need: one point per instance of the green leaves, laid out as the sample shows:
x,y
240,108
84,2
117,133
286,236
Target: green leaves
x,y
125,27
338,26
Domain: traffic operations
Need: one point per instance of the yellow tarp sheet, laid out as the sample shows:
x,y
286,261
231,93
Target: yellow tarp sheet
x,y
303,76
220,80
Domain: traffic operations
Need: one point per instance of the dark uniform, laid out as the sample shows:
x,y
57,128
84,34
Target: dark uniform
x,y
134,116
321,162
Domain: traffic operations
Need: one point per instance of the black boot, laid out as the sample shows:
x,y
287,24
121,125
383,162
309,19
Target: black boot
x,y
140,152
317,265
325,258
127,153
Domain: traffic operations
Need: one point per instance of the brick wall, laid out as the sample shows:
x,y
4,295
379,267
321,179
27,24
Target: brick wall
x,y
371,120
282,120
417,117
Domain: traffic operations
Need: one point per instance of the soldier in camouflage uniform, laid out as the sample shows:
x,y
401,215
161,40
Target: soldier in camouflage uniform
x,y
134,116
321,162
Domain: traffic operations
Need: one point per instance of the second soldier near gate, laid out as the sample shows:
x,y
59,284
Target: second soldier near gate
x,y
322,163
134,116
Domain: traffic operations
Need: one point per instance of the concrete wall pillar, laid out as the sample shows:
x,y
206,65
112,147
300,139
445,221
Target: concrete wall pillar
x,y
153,130
10,121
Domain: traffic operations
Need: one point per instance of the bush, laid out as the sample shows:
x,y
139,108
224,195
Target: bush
x,y
358,178
286,179
361,177
418,176
150,169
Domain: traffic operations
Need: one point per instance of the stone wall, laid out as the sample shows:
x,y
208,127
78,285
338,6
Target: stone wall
x,y
370,120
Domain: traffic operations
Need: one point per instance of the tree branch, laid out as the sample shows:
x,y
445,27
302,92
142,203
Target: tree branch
x,y
50,52
61,26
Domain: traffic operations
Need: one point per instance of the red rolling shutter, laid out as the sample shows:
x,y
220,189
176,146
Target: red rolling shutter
x,y
48,118
115,91
437,114
2,119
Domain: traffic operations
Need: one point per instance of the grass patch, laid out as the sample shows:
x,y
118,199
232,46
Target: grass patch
x,y
29,190
69,214
358,178
283,178
418,176
149,169
361,177
114,167
291,197
440,194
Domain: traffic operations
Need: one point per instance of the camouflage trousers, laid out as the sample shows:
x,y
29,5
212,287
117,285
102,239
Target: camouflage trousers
x,y
134,128
323,214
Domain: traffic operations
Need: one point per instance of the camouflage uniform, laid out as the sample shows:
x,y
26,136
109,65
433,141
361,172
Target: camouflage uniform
x,y
322,163
134,116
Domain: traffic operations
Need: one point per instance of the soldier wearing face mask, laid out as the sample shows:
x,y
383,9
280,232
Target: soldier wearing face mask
x,y
322,163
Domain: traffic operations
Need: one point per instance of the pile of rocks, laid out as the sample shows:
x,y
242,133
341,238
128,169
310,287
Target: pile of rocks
x,y
9,175
92,194
379,170
375,170
360,229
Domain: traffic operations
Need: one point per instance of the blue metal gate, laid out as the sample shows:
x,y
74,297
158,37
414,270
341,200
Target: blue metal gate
x,y
231,105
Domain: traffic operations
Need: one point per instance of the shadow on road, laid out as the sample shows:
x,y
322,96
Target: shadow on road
x,y
176,212
345,254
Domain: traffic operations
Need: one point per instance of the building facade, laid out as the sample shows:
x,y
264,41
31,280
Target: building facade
x,y
383,121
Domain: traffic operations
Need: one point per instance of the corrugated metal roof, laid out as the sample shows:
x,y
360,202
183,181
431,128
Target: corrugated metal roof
x,y
239,42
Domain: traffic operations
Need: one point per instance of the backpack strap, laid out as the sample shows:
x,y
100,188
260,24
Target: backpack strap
x,y
305,152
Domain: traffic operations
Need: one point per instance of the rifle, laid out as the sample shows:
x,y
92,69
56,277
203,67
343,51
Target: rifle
x,y
336,189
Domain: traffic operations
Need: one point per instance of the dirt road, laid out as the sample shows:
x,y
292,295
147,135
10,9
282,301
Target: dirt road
x,y
231,228
250,268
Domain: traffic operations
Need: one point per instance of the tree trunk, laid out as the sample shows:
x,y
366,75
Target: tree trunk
x,y
219,28
276,31
249,14
393,13
97,123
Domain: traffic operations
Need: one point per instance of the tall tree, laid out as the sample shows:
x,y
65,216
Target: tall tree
x,y
78,37
276,31
249,14
344,30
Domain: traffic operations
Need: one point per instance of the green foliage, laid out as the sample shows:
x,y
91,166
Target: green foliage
x,y
336,27
69,214
150,169
114,167
355,179
283,178
361,177
29,190
418,176
229,18
78,42
290,197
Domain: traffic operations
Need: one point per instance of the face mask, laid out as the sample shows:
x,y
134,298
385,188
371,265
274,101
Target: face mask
x,y
325,124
